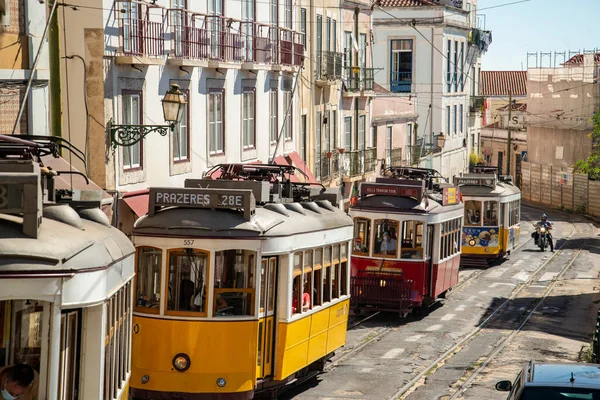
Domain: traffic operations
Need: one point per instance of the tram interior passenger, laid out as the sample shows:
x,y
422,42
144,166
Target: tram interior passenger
x,y
148,286
385,237
472,213
187,272
21,334
234,282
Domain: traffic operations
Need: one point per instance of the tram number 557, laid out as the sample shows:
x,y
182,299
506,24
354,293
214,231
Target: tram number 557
x,y
188,242
231,201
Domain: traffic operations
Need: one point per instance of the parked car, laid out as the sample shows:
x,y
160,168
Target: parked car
x,y
554,381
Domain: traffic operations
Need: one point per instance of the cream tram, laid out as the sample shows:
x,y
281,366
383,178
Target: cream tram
x,y
406,248
66,282
242,285
492,215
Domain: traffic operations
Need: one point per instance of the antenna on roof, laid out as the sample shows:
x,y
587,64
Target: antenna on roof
x,y
572,378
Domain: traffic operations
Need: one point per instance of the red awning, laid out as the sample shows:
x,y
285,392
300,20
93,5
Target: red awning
x,y
137,201
299,163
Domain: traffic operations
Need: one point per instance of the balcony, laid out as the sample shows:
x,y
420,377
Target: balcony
x,y
358,81
357,163
325,171
140,41
401,82
476,104
329,67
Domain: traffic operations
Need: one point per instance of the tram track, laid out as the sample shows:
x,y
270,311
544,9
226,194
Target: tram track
x,y
410,386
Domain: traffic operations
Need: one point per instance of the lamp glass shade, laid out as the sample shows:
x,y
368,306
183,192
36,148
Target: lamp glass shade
x,y
441,140
173,104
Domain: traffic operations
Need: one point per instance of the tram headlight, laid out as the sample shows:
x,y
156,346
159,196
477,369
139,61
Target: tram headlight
x,y
221,382
145,379
472,242
181,362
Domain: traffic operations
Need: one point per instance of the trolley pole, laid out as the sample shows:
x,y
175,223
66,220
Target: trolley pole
x,y
508,149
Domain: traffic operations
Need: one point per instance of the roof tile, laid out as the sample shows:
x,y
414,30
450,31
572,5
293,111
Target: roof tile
x,y
578,59
498,83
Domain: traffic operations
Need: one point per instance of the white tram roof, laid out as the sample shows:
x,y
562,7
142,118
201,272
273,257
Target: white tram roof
x,y
67,242
406,205
271,220
494,188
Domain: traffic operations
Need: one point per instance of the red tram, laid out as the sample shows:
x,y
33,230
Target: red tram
x,y
406,249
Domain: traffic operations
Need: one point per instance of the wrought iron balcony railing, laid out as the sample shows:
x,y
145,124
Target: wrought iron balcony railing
x,y
359,162
476,103
329,66
357,79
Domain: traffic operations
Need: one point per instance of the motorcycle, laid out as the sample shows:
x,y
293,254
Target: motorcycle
x,y
542,236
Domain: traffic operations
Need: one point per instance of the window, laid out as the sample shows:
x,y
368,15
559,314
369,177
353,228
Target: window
x,y
273,115
461,118
362,126
273,10
347,133
490,213
455,118
319,138
472,81
386,235
328,34
362,236
363,54
131,27
409,134
248,29
448,120
448,67
287,106
401,65
179,21
287,14
216,28
373,142
148,279
412,240
297,286
216,114
388,145
472,213
347,49
303,25
187,281
326,274
319,43
248,131
344,273
335,272
334,128
450,232
462,66
234,282
117,339
68,382
327,131
318,277
303,141
334,33
181,134
132,115
455,76
514,208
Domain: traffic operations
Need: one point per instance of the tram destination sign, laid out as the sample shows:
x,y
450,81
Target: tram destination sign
x,y
450,196
242,199
489,180
383,189
20,193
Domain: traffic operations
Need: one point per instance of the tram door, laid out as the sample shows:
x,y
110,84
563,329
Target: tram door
x,y
266,322
68,376
430,239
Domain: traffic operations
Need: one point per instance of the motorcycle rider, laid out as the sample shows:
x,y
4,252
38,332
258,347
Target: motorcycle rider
x,y
548,225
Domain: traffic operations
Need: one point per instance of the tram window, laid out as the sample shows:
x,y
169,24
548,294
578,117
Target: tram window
x,y
272,270
362,235
327,283
263,285
335,274
344,252
308,277
307,289
148,279
296,295
385,237
187,281
490,213
344,278
318,277
234,282
117,342
450,238
336,252
412,240
21,342
472,213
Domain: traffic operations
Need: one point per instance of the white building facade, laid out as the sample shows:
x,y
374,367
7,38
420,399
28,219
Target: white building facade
x,y
236,62
429,56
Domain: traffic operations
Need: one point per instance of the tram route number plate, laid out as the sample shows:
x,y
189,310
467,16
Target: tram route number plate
x,y
11,197
202,198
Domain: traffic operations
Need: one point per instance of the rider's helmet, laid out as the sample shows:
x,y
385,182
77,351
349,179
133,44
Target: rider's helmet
x,y
544,217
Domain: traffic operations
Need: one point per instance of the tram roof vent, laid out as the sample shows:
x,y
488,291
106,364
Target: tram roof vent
x,y
63,213
312,206
295,207
21,193
326,204
278,208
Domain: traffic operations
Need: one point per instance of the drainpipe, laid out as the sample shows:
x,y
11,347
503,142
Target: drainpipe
x,y
55,87
431,108
356,36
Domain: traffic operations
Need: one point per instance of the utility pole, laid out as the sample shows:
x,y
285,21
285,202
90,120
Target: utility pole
x,y
508,149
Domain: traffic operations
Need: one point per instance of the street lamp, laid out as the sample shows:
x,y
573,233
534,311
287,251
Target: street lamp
x,y
173,105
441,140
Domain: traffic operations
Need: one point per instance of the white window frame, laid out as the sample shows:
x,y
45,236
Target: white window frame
x,y
132,155
215,123
273,108
248,122
180,152
288,108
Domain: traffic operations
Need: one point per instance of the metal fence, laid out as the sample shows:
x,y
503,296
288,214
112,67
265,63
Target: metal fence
x,y
384,292
559,187
596,342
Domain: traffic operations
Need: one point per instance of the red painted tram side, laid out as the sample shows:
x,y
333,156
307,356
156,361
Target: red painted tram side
x,y
406,249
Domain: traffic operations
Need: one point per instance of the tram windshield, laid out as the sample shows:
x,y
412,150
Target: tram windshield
x,y
386,236
472,213
234,282
148,278
412,239
362,234
490,213
187,277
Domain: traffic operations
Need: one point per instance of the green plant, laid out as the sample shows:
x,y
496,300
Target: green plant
x,y
475,159
591,165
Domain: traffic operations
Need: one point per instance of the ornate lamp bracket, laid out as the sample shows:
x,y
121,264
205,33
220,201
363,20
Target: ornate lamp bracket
x,y
128,135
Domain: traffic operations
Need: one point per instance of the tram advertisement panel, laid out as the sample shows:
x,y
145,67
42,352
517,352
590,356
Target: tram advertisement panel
x,y
480,236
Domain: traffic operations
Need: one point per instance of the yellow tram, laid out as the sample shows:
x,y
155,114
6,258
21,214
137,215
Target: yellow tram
x,y
492,215
242,285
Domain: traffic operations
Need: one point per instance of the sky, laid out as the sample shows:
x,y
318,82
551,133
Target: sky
x,y
537,25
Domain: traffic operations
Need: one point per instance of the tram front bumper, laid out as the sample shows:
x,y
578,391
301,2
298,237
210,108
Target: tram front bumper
x,y
143,394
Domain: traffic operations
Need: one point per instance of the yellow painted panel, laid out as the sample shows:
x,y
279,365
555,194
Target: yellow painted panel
x,y
480,250
296,349
215,350
125,392
14,51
